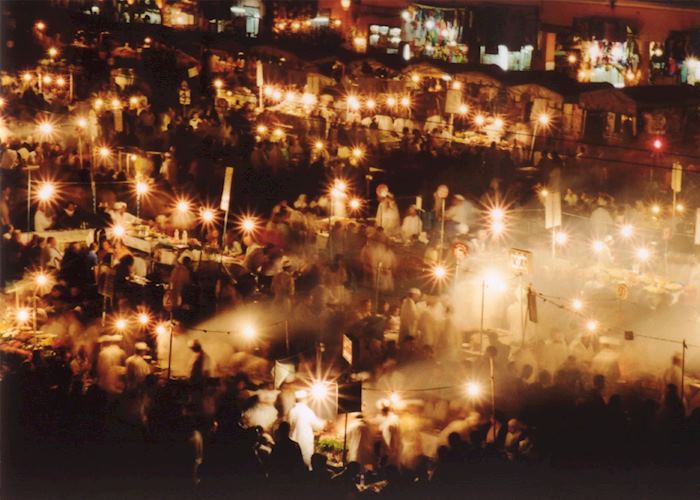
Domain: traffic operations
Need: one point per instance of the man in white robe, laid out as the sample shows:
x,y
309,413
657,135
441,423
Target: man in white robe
x,y
409,315
304,423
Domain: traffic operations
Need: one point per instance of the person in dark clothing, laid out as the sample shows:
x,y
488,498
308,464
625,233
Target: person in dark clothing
x,y
69,217
286,461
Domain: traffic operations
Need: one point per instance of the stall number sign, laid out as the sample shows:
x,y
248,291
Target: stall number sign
x,y
520,260
347,349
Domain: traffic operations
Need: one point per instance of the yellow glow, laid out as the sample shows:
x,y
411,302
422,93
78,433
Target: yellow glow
x,y
353,103
457,85
308,99
577,304
46,128
27,77
290,96
479,120
591,325
142,188
355,204
53,52
248,332
41,279
319,390
391,101
561,238
319,145
218,83
98,103
395,399
472,389
183,206
248,224
497,214
116,103
133,100
133,157
440,272
406,102
572,58
598,246
60,81
494,280
680,207
161,329
105,152
207,215
118,231
82,122
463,109
340,185
22,315
40,25
261,129
144,319
147,40
415,78
627,230
268,90
46,79
357,153
278,132
370,104
120,324
643,254
498,123
655,209
497,227
46,191
543,119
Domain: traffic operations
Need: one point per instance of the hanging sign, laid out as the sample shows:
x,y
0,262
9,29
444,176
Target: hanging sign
x,y
552,210
226,193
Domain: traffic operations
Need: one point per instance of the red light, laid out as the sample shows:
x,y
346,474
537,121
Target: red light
x,y
658,144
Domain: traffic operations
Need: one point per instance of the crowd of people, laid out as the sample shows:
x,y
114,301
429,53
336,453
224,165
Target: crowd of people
x,y
322,269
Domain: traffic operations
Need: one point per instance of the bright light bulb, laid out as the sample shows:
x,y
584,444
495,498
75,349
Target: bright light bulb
x,y
627,230
105,152
439,271
479,120
120,324
98,103
598,246
118,231
473,389
577,304
319,145
497,214
116,104
133,100
60,81
643,254
261,129
53,51
82,122
355,204
46,79
319,390
456,85
370,104
405,102
680,207
41,279
248,225
290,96
22,315
497,227
40,25
341,185
248,332
560,237
463,109
591,325
218,83
46,128
161,329
498,123
144,319
207,215
357,153
391,101
308,99
278,132
395,398
183,206
27,77
543,119
655,209
46,191
141,188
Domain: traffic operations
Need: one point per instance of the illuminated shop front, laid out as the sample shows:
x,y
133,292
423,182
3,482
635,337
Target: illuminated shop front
x,y
606,51
435,32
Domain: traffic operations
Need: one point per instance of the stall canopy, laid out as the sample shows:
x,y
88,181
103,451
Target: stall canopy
x,y
425,70
535,91
611,100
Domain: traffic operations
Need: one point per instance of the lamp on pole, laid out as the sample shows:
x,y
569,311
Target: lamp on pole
x,y
543,120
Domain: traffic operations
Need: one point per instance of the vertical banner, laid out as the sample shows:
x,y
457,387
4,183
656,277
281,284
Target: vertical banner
x,y
226,193
259,73
676,177
552,210
532,305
